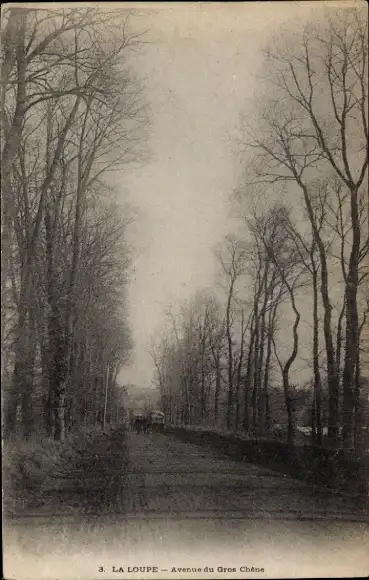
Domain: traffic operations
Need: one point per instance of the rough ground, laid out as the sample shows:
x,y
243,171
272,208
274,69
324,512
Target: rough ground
x,y
176,504
176,478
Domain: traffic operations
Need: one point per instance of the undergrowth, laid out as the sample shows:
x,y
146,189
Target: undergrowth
x,y
40,463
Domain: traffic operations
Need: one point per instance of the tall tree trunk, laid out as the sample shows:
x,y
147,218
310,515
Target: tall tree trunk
x,y
271,321
333,379
63,347
217,393
359,420
285,375
247,382
186,415
27,386
59,410
332,371
339,340
46,391
291,432
260,364
58,372
287,366
203,393
21,373
313,421
352,328
230,358
316,367
255,385
57,376
239,370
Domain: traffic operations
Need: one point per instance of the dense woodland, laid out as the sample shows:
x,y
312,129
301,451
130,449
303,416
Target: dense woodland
x,y
71,113
295,264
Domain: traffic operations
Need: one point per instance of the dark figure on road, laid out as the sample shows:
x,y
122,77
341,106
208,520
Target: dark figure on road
x,y
146,425
139,423
142,424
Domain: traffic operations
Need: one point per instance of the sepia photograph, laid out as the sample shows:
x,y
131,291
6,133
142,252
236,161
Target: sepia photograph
x,y
184,290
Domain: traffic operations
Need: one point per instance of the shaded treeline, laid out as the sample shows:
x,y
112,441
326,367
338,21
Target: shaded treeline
x,y
71,111
297,261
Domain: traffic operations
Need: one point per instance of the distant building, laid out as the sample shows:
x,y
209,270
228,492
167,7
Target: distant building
x,y
138,398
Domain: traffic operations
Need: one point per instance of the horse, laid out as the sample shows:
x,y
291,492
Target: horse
x,y
142,424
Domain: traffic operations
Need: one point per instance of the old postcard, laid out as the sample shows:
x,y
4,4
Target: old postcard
x,y
185,306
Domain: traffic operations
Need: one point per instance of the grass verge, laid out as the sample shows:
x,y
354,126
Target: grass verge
x,y
37,467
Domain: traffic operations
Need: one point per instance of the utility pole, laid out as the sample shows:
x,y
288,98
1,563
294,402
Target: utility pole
x,y
106,395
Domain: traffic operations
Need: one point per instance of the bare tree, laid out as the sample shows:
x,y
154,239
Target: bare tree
x,y
307,251
77,114
272,232
316,121
233,263
263,303
217,339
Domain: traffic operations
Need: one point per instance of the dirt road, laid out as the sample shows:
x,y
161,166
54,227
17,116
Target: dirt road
x,y
176,506
167,476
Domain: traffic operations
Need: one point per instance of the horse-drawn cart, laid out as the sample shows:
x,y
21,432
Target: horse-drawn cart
x,y
157,421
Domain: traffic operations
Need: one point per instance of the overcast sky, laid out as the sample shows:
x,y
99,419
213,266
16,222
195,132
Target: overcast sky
x,y
199,70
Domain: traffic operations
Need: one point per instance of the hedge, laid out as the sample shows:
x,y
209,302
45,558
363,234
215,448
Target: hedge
x,y
335,468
